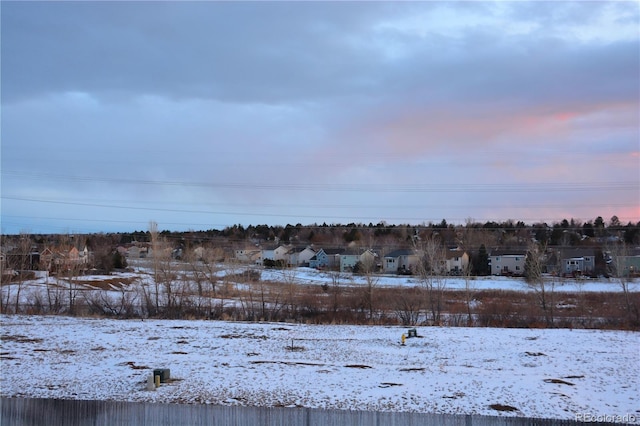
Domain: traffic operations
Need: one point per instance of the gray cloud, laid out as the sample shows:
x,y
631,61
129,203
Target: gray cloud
x,y
236,103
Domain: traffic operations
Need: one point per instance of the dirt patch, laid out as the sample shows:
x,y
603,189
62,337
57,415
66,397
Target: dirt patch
x,y
134,366
242,336
107,283
389,385
294,348
358,366
309,364
412,369
503,407
180,353
20,339
154,338
535,354
559,381
573,377
455,395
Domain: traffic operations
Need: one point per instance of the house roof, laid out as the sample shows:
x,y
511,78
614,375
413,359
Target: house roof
x,y
577,252
455,253
402,252
333,251
509,252
358,252
301,249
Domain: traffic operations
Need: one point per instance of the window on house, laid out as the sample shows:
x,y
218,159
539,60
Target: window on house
x,y
517,268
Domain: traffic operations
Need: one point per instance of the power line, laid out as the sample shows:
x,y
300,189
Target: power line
x,y
383,188
85,200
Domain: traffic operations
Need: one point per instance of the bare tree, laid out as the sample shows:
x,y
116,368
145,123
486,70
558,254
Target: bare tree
x,y
468,290
409,305
620,269
102,302
155,248
69,267
73,288
195,275
24,264
431,271
544,287
54,295
335,291
370,285
163,271
291,291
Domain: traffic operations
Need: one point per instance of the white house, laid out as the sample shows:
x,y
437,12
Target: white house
x,y
276,253
301,256
507,262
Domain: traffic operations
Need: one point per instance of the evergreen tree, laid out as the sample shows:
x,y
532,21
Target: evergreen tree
x,y
481,264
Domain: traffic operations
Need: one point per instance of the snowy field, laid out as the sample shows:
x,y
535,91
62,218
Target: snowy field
x,y
313,276
512,372
142,274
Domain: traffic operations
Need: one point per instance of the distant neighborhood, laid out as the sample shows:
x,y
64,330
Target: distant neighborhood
x,y
566,249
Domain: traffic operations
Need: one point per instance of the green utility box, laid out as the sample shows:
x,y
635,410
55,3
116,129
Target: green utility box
x,y
164,374
412,332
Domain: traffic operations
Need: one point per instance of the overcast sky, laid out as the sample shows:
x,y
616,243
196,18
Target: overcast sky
x,y
202,115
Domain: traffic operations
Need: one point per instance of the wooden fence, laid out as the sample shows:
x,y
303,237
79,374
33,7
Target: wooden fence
x,y
59,412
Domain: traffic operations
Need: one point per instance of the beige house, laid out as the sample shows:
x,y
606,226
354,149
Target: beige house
x,y
63,258
401,261
250,254
457,261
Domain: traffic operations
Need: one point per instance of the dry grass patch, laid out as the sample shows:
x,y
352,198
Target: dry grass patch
x,y
503,407
559,381
134,366
107,283
20,339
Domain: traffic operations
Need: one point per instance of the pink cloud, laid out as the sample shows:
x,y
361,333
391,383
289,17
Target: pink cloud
x,y
420,131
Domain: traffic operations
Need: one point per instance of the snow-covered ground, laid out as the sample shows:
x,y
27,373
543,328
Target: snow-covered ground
x,y
142,274
313,276
535,373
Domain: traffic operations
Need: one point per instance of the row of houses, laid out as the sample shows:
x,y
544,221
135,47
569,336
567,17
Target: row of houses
x,y
53,259
511,262
346,259
571,261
